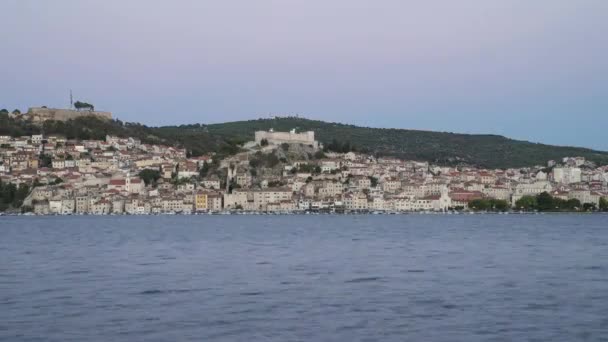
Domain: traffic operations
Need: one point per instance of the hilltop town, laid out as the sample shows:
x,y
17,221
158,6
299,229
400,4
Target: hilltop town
x,y
277,172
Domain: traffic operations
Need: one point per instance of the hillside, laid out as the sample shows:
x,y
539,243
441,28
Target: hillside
x,y
491,151
196,140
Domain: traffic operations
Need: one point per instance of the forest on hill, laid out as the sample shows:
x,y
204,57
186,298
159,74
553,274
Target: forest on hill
x,y
490,151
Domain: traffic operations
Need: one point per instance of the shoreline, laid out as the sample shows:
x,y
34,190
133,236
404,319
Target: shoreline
x,y
307,213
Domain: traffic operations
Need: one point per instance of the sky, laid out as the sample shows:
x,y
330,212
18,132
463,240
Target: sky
x,y
528,69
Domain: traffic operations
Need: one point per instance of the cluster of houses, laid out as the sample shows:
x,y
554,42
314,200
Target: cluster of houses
x,y
103,177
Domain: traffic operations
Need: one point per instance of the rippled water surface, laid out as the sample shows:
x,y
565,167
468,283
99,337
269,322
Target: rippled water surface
x,y
305,278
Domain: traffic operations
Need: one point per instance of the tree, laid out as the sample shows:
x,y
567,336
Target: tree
x,y
204,169
285,147
8,193
347,147
16,111
589,207
319,155
233,186
545,202
264,142
479,204
254,162
526,203
500,205
45,160
306,168
21,193
373,181
275,183
83,105
271,160
336,146
603,204
490,204
3,111
571,204
149,176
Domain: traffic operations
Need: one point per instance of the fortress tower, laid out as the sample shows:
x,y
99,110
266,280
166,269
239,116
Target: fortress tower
x,y
291,137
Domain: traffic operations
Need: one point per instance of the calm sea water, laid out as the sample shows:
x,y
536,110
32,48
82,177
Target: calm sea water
x,y
305,278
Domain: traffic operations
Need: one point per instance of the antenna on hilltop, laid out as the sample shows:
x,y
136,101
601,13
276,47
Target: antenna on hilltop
x,y
71,100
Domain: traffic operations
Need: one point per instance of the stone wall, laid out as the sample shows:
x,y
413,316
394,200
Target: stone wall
x,y
38,114
306,138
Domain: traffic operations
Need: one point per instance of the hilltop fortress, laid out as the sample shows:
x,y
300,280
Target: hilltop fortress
x,y
291,137
41,114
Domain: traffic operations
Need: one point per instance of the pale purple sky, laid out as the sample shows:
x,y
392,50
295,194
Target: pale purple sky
x,y
527,69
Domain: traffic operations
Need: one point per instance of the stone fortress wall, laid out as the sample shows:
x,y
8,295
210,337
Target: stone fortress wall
x,y
38,114
306,138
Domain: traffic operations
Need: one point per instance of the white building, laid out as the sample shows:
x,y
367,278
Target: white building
x,y
37,138
530,189
567,175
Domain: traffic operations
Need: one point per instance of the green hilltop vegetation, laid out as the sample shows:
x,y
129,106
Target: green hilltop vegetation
x,y
490,151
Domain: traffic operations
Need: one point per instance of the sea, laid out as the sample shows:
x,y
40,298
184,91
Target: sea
x,y
305,278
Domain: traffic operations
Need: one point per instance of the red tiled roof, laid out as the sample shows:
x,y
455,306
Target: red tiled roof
x,y
117,182
465,195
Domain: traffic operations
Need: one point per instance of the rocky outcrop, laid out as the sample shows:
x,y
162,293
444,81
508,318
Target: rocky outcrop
x,y
39,114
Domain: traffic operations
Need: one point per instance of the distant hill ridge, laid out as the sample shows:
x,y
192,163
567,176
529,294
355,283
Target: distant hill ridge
x,y
489,151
